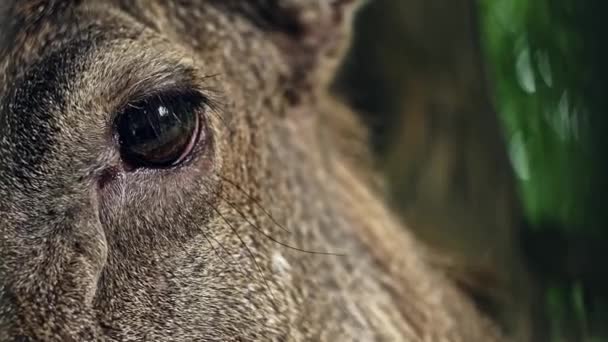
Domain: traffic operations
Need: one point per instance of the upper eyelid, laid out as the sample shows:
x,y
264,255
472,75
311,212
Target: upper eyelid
x,y
160,94
112,77
178,80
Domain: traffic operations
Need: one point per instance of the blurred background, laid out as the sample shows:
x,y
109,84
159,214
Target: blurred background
x,y
489,120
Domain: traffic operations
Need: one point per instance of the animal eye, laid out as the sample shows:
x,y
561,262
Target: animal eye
x,y
159,131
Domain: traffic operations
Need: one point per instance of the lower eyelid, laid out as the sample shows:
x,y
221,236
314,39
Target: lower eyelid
x,y
194,140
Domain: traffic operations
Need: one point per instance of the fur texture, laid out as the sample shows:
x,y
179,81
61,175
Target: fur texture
x,y
271,232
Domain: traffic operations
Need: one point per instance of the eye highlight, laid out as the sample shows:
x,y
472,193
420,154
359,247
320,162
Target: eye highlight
x,y
159,131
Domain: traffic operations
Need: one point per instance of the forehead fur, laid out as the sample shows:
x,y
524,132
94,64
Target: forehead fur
x,y
310,33
297,18
20,19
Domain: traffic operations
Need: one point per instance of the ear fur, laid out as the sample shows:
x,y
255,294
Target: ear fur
x,y
311,22
324,36
313,34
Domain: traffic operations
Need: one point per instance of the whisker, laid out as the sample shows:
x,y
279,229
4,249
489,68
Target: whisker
x,y
223,248
272,238
257,265
240,269
215,250
256,202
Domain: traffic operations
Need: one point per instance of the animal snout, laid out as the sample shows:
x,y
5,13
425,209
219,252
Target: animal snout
x,y
52,253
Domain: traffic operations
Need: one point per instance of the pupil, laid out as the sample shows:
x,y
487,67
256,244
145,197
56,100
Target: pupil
x,y
157,132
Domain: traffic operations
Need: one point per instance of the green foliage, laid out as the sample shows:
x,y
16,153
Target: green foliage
x,y
547,64
538,61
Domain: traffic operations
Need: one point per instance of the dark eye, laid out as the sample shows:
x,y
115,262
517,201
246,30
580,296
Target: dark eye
x,y
159,131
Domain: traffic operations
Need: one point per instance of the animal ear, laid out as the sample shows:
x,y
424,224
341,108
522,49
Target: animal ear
x,y
313,34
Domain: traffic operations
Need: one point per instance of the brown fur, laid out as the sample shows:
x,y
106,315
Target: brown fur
x,y
92,252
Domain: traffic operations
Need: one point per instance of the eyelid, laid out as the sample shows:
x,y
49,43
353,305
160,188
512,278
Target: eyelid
x,y
194,139
170,91
170,79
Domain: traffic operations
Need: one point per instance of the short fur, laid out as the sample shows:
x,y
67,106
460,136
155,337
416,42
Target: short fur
x,y
235,245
